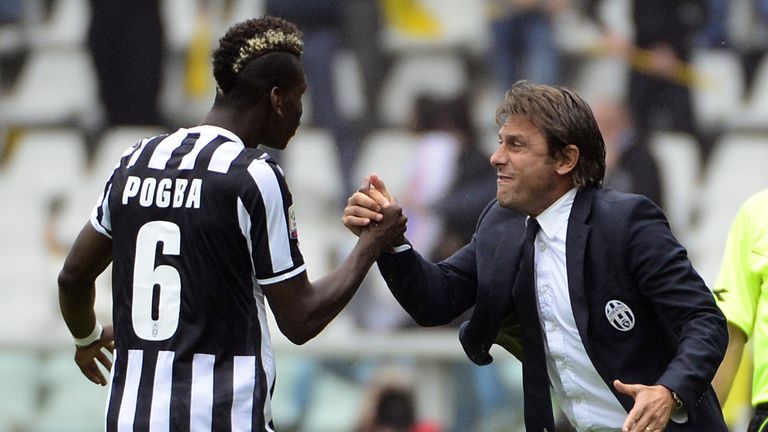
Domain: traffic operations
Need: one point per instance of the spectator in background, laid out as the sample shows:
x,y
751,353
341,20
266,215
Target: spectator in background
x,y
741,291
450,182
629,165
329,26
750,39
13,52
523,37
659,93
126,41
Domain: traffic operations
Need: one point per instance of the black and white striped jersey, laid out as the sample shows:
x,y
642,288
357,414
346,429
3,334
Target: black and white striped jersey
x,y
198,223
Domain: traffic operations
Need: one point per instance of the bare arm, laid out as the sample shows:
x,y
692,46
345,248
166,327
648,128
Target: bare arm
x,y
89,256
727,371
303,308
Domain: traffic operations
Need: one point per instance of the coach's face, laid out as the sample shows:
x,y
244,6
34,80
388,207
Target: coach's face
x,y
528,178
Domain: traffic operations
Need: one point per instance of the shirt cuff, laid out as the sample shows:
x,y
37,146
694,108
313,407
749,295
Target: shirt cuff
x,y
401,248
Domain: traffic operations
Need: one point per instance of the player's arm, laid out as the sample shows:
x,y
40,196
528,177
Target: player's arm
x,y
727,371
89,256
303,308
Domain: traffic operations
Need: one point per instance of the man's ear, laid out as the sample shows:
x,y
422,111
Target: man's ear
x,y
276,100
567,159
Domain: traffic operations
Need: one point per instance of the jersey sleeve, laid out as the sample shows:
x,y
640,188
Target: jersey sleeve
x,y
738,284
266,218
100,215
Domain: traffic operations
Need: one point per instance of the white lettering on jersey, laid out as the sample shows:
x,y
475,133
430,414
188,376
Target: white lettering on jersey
x,y
193,199
131,188
163,193
178,193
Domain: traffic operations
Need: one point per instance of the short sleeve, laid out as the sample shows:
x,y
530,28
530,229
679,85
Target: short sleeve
x,y
738,284
266,217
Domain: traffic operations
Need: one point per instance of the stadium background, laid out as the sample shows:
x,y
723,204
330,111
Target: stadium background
x,y
54,157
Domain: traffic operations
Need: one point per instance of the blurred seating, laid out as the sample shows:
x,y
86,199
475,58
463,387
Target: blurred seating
x,y
57,86
454,24
754,115
70,402
434,73
20,382
65,26
386,152
737,171
679,160
718,93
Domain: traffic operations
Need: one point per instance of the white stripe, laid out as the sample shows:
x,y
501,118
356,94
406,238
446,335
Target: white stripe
x,y
160,413
138,152
244,220
267,354
215,130
282,277
277,229
243,383
109,386
201,400
166,147
127,411
188,161
223,156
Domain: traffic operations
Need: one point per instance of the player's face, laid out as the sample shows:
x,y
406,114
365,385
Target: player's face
x,y
527,175
292,110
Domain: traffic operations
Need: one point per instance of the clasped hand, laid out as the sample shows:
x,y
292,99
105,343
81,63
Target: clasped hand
x,y
373,211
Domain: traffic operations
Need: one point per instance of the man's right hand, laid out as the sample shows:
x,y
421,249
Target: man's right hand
x,y
87,358
365,205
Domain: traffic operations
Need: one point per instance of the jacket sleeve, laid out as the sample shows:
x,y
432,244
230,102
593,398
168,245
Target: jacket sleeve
x,y
432,293
666,277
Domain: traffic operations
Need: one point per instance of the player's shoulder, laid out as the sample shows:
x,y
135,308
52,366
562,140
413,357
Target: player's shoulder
x,y
757,203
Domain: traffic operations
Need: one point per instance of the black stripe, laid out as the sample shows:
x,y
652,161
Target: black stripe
x,y
222,394
146,391
118,386
204,157
149,149
181,394
186,146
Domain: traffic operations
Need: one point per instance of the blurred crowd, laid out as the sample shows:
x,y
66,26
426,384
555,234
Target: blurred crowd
x,y
676,86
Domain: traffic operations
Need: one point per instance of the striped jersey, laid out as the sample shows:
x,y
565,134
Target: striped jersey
x,y
199,222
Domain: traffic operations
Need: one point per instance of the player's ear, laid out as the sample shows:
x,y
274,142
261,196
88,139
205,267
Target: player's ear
x,y
276,100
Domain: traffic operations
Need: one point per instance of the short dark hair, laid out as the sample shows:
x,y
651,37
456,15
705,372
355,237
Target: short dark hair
x,y
564,118
258,53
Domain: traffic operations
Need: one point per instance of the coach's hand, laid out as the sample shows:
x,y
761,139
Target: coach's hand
x,y
653,407
88,357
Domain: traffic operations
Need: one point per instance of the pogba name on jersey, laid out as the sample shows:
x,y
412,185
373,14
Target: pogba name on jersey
x,y
164,192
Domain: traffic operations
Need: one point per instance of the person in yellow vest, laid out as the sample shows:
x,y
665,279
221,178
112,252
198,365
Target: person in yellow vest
x,y
742,294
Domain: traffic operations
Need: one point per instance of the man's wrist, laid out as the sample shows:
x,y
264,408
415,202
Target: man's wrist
x,y
95,335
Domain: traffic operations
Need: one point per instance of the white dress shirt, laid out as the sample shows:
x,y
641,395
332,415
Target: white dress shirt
x,y
583,396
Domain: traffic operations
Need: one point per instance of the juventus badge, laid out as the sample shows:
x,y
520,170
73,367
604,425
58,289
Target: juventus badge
x,y
619,315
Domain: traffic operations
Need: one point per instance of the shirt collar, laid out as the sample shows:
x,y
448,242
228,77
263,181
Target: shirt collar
x,y
556,216
217,130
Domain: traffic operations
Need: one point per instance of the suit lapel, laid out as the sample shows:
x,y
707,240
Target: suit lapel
x,y
575,252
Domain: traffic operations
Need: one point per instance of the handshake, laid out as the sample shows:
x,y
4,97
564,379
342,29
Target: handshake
x,y
374,215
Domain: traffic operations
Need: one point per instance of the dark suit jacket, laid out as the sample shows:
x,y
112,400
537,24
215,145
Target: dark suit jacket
x,y
618,247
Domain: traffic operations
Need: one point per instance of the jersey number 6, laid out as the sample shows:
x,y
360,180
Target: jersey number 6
x,y
156,290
